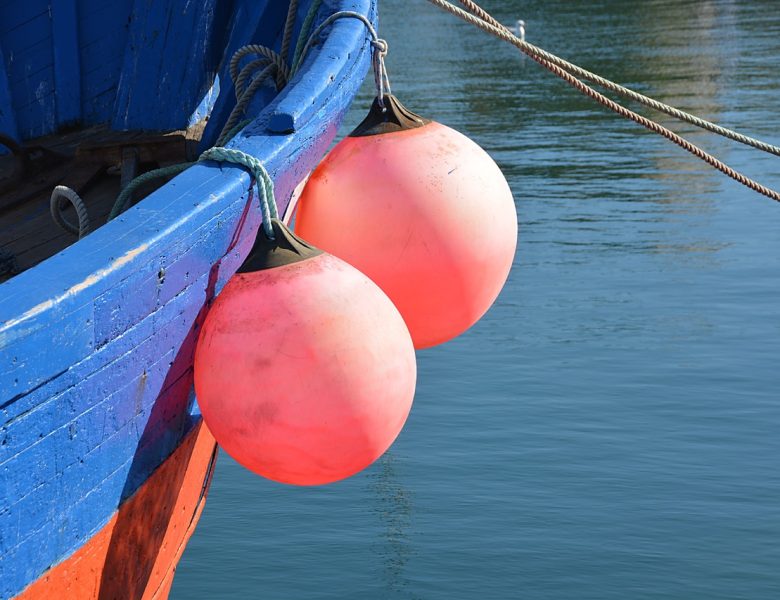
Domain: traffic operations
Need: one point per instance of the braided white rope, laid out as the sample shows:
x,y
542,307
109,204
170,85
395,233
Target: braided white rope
x,y
63,193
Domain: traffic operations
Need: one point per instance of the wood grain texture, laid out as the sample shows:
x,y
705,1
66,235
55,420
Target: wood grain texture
x,y
26,42
103,31
67,68
162,71
7,113
80,161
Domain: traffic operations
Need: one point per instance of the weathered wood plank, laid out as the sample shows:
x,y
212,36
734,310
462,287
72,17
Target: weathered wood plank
x,y
35,108
108,368
44,353
15,15
7,115
26,227
26,41
164,72
67,68
147,410
37,237
102,37
98,440
184,260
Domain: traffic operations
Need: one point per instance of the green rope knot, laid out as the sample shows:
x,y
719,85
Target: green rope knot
x,y
265,185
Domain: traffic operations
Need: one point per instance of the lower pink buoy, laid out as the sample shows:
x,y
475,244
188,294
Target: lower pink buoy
x,y
304,370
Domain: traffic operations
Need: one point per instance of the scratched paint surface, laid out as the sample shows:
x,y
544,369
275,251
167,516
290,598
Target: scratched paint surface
x,y
134,555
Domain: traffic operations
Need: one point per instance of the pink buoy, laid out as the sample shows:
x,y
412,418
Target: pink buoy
x,y
423,211
304,370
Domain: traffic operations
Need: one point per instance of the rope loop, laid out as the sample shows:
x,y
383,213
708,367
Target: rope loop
x,y
265,185
381,79
268,55
379,49
59,196
247,72
272,62
228,131
380,45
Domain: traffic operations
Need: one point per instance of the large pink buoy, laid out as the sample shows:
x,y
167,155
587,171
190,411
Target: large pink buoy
x,y
304,369
423,211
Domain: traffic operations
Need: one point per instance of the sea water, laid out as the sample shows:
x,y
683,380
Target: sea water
x,y
611,428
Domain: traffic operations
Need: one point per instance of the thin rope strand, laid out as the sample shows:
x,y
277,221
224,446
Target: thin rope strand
x,y
619,109
381,79
289,25
272,62
126,195
494,27
378,45
303,36
246,73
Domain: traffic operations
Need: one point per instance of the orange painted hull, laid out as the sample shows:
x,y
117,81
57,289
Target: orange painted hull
x,y
134,556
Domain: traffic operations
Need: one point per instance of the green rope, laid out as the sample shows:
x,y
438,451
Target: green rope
x,y
125,196
232,133
271,61
304,34
265,185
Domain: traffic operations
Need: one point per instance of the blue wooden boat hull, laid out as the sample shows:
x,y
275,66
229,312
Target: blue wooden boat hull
x,y
96,343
